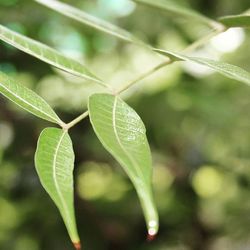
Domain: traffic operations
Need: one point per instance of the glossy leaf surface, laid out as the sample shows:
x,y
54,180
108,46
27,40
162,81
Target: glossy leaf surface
x,y
177,9
123,134
45,53
90,20
226,69
236,20
54,162
27,99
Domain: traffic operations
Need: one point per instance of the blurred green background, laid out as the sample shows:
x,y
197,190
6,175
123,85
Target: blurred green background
x,y
197,124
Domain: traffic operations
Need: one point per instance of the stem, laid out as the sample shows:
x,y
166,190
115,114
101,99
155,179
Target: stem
x,y
75,121
203,40
106,86
217,30
146,74
217,25
193,46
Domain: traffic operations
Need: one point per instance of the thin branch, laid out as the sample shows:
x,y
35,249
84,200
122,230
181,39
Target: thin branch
x,y
203,40
190,48
146,74
161,65
75,121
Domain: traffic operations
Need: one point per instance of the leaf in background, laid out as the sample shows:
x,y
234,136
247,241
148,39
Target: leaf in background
x,y
226,69
27,99
179,10
123,134
46,54
90,20
54,160
236,20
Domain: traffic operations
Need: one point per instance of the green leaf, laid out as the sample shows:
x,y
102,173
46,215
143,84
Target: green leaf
x,y
46,54
226,69
123,134
27,99
179,10
54,160
236,20
90,20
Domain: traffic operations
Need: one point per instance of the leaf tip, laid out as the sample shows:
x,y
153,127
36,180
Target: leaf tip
x,y
77,245
152,230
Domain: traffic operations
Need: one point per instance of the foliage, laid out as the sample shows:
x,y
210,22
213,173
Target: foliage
x,y
118,127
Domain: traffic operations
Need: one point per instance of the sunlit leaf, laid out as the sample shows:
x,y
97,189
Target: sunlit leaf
x,y
54,162
45,53
178,10
236,20
226,69
27,99
90,20
123,134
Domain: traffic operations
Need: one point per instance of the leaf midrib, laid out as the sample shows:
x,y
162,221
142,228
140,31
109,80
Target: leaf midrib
x,y
29,104
26,48
65,208
90,20
134,163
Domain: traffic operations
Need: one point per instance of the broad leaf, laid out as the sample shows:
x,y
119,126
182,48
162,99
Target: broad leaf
x,y
236,20
27,99
90,20
226,69
54,162
123,134
178,10
45,53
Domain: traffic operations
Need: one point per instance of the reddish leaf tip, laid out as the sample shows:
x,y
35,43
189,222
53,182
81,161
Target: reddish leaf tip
x,y
152,231
77,246
151,237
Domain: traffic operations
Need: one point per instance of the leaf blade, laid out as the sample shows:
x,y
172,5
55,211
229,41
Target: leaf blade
x,y
54,161
174,8
123,134
27,99
226,69
90,20
45,54
242,20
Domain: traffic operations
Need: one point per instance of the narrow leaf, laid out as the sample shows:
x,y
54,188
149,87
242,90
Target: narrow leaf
x,y
27,99
226,69
236,20
123,134
90,20
179,10
54,160
45,53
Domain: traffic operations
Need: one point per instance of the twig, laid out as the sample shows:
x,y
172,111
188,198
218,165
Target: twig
x,y
218,29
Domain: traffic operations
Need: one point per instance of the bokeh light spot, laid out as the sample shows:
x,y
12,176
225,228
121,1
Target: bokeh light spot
x,y
98,181
229,41
207,181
